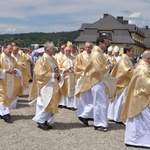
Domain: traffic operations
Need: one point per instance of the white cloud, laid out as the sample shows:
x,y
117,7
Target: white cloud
x,y
22,16
132,22
135,15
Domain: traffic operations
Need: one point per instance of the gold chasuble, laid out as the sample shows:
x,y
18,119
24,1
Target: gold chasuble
x,y
59,57
74,55
138,94
94,71
67,83
43,70
23,67
28,61
110,59
123,71
11,85
80,63
20,52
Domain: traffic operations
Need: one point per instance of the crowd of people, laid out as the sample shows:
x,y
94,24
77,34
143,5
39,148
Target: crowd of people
x,y
96,82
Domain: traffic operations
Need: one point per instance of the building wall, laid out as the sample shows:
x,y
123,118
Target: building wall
x,y
138,50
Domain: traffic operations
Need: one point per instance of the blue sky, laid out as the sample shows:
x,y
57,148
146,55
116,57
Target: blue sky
x,y
25,16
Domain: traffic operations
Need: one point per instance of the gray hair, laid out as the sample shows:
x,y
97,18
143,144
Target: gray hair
x,y
48,45
146,54
91,44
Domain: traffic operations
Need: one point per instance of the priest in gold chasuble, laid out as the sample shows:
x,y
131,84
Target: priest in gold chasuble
x,y
74,51
45,89
94,72
123,71
136,110
60,55
22,63
111,60
67,83
11,82
81,62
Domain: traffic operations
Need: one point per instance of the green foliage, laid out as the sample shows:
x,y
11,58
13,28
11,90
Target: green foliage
x,y
26,39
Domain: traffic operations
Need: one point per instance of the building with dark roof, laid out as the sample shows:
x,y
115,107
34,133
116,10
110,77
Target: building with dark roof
x,y
119,30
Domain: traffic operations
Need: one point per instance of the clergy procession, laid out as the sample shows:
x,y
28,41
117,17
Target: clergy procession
x,y
99,83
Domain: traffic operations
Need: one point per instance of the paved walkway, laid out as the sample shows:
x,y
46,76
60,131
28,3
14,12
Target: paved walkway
x,y
68,132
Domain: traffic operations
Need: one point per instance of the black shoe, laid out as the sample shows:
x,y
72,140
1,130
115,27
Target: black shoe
x,y
60,106
135,146
84,120
71,108
30,80
48,125
119,123
100,128
90,119
43,126
111,120
127,145
7,118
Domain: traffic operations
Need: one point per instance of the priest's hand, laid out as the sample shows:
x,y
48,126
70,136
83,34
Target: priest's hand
x,y
10,71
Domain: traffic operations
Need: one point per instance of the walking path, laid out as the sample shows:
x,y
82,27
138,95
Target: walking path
x,y
68,132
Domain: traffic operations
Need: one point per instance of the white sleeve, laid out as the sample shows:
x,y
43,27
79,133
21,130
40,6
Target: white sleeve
x,y
52,79
2,75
